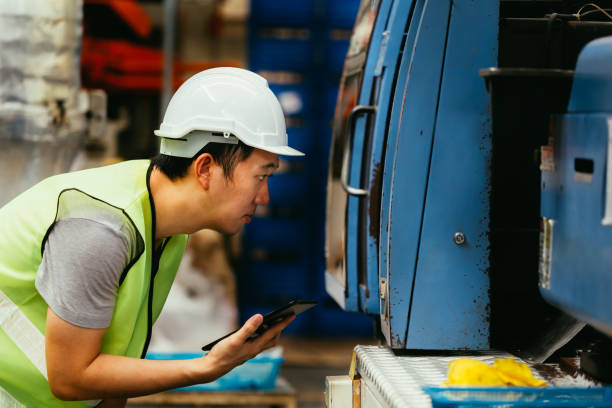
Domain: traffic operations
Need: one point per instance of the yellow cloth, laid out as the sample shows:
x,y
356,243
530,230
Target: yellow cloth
x,y
467,371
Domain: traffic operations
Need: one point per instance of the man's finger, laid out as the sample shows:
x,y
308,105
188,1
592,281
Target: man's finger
x,y
274,330
272,342
285,322
249,327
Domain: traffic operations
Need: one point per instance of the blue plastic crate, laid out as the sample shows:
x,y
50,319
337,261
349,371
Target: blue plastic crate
x,y
558,397
335,54
286,14
302,139
289,54
331,321
341,13
276,233
289,189
295,99
259,373
282,279
331,97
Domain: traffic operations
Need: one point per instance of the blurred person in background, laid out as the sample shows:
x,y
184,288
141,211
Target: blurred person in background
x,y
201,305
87,258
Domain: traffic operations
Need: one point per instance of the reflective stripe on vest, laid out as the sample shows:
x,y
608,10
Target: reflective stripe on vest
x,y
23,333
7,400
28,338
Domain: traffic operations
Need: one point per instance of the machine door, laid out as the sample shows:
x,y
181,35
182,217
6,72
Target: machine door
x,y
342,286
369,138
434,205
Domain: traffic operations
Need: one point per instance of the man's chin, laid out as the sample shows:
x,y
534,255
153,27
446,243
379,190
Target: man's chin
x,y
233,230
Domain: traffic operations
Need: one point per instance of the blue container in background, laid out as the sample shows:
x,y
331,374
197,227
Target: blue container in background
x,y
300,138
336,47
275,233
331,96
259,373
277,53
335,322
341,13
289,188
283,13
295,98
268,279
299,47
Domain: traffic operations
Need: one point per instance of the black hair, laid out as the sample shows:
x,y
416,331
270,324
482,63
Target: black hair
x,y
224,154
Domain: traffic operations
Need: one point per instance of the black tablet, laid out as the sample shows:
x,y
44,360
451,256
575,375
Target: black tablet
x,y
272,318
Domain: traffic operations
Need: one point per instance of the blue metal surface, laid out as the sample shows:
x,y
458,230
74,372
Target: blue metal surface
x,y
381,71
397,111
580,277
575,273
407,162
592,85
437,289
458,200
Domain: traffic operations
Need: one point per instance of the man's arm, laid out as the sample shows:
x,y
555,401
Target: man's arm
x,y
78,371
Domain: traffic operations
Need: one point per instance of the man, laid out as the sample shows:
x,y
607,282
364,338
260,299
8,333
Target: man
x,y
87,258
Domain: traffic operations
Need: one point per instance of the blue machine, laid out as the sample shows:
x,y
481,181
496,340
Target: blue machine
x,y
415,248
433,206
576,237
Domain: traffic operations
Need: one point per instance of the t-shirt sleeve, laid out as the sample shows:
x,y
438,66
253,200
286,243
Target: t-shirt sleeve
x,y
82,264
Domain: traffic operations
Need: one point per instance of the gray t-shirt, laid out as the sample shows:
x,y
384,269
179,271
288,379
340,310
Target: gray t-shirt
x,y
82,264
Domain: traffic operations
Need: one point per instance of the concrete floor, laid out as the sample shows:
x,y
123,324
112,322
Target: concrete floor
x,y
309,361
309,383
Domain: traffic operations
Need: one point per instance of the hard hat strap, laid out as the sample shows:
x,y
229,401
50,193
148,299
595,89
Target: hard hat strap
x,y
193,142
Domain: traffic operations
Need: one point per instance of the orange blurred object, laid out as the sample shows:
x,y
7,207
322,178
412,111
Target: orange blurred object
x,y
131,12
118,64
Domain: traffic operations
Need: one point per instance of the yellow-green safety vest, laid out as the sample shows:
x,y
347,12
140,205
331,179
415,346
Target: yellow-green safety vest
x,y
24,225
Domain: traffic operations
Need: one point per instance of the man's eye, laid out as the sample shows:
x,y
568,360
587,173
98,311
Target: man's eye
x,y
264,176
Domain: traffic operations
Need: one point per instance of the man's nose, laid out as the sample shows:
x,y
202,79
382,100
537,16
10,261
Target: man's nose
x,y
263,195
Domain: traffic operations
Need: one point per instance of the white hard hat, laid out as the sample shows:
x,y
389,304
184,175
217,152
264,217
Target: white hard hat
x,y
222,105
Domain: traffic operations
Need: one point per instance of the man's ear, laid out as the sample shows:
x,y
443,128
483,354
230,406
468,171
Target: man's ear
x,y
203,169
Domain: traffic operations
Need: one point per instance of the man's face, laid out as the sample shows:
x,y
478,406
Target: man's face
x,y
237,198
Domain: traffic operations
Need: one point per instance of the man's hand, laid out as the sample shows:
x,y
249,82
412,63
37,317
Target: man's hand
x,y
78,371
237,348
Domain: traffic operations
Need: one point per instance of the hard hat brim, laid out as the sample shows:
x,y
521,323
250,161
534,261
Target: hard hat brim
x,y
281,150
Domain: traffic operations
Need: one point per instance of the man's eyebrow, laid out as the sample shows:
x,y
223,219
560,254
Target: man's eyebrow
x,y
270,166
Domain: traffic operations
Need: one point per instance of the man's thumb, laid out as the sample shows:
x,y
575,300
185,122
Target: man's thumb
x,y
250,326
